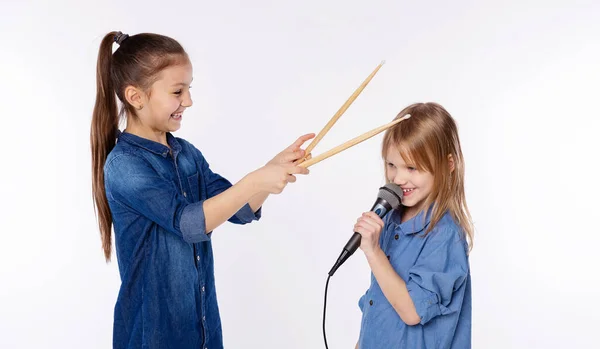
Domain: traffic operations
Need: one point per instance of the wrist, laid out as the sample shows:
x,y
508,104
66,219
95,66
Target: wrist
x,y
249,184
374,254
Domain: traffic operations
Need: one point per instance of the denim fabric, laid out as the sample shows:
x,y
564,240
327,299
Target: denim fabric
x,y
167,298
436,270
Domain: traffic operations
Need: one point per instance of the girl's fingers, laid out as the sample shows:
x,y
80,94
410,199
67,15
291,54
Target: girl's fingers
x,y
363,229
298,143
290,156
293,169
371,222
373,217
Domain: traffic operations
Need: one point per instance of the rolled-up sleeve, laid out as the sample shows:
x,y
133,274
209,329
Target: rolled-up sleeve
x,y
131,182
440,270
246,215
193,223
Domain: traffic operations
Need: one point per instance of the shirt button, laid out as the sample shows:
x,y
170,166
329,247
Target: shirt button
x,y
198,258
202,288
204,318
371,302
396,236
185,194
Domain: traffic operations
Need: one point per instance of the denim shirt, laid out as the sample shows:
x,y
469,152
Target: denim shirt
x,y
436,271
167,297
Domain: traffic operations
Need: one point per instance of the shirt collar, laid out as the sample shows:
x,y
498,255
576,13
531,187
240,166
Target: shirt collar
x,y
414,225
152,146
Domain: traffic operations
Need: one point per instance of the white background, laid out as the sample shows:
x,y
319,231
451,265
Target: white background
x,y
521,78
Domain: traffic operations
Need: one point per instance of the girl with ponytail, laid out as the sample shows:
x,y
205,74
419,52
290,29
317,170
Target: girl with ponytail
x,y
160,196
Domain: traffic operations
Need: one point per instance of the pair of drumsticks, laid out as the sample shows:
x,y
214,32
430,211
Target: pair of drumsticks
x,y
308,160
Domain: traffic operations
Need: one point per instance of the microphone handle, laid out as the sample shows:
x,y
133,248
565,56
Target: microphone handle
x,y
353,244
381,207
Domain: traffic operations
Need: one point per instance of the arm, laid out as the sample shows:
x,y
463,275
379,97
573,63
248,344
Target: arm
x,y
435,283
217,184
258,200
393,287
255,187
218,209
132,183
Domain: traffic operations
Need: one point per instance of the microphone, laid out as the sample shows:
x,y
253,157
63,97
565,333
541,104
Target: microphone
x,y
389,198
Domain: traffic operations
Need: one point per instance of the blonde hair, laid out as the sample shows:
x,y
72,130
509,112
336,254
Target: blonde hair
x,y
427,139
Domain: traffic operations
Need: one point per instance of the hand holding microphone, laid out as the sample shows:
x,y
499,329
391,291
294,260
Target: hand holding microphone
x,y
369,226
389,198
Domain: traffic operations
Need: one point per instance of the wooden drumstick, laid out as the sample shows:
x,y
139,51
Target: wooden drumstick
x,y
351,143
339,113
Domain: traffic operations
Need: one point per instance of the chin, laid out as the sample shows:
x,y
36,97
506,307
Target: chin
x,y
173,128
408,203
412,202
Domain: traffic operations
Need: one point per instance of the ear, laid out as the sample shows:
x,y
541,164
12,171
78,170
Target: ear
x,y
451,162
134,96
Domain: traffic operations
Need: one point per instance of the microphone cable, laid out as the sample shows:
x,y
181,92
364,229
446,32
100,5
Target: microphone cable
x,y
324,311
389,198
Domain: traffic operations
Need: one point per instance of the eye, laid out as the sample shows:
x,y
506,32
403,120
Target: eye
x,y
389,164
178,92
411,168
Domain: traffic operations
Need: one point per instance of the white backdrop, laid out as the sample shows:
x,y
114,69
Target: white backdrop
x,y
520,77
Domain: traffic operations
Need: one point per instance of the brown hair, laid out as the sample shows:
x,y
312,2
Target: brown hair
x,y
137,62
427,139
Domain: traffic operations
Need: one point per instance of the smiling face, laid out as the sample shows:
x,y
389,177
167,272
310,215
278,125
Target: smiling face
x,y
161,109
416,184
423,156
169,97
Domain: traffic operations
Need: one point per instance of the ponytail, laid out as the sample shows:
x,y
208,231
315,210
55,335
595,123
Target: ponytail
x,y
137,62
105,123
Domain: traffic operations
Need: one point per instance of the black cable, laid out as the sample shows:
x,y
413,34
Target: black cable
x,y
324,309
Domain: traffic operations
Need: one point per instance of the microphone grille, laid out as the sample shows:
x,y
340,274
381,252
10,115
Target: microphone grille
x,y
391,193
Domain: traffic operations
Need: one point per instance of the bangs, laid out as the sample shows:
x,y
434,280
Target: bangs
x,y
411,146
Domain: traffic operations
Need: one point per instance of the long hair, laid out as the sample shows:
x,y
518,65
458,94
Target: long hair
x,y
137,62
427,139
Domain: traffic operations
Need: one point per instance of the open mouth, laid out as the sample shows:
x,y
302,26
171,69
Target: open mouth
x,y
407,192
177,116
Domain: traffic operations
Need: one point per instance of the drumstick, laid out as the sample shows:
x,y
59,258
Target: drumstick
x,y
341,111
351,143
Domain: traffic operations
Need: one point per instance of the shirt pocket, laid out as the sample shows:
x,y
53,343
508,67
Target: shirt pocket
x,y
193,182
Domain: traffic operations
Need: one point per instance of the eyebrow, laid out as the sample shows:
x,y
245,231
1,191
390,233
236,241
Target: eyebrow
x,y
405,164
182,83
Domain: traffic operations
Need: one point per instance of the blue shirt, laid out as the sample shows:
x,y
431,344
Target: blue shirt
x,y
167,297
436,271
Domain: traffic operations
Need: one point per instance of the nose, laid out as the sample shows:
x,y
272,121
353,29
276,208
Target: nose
x,y
187,101
400,178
